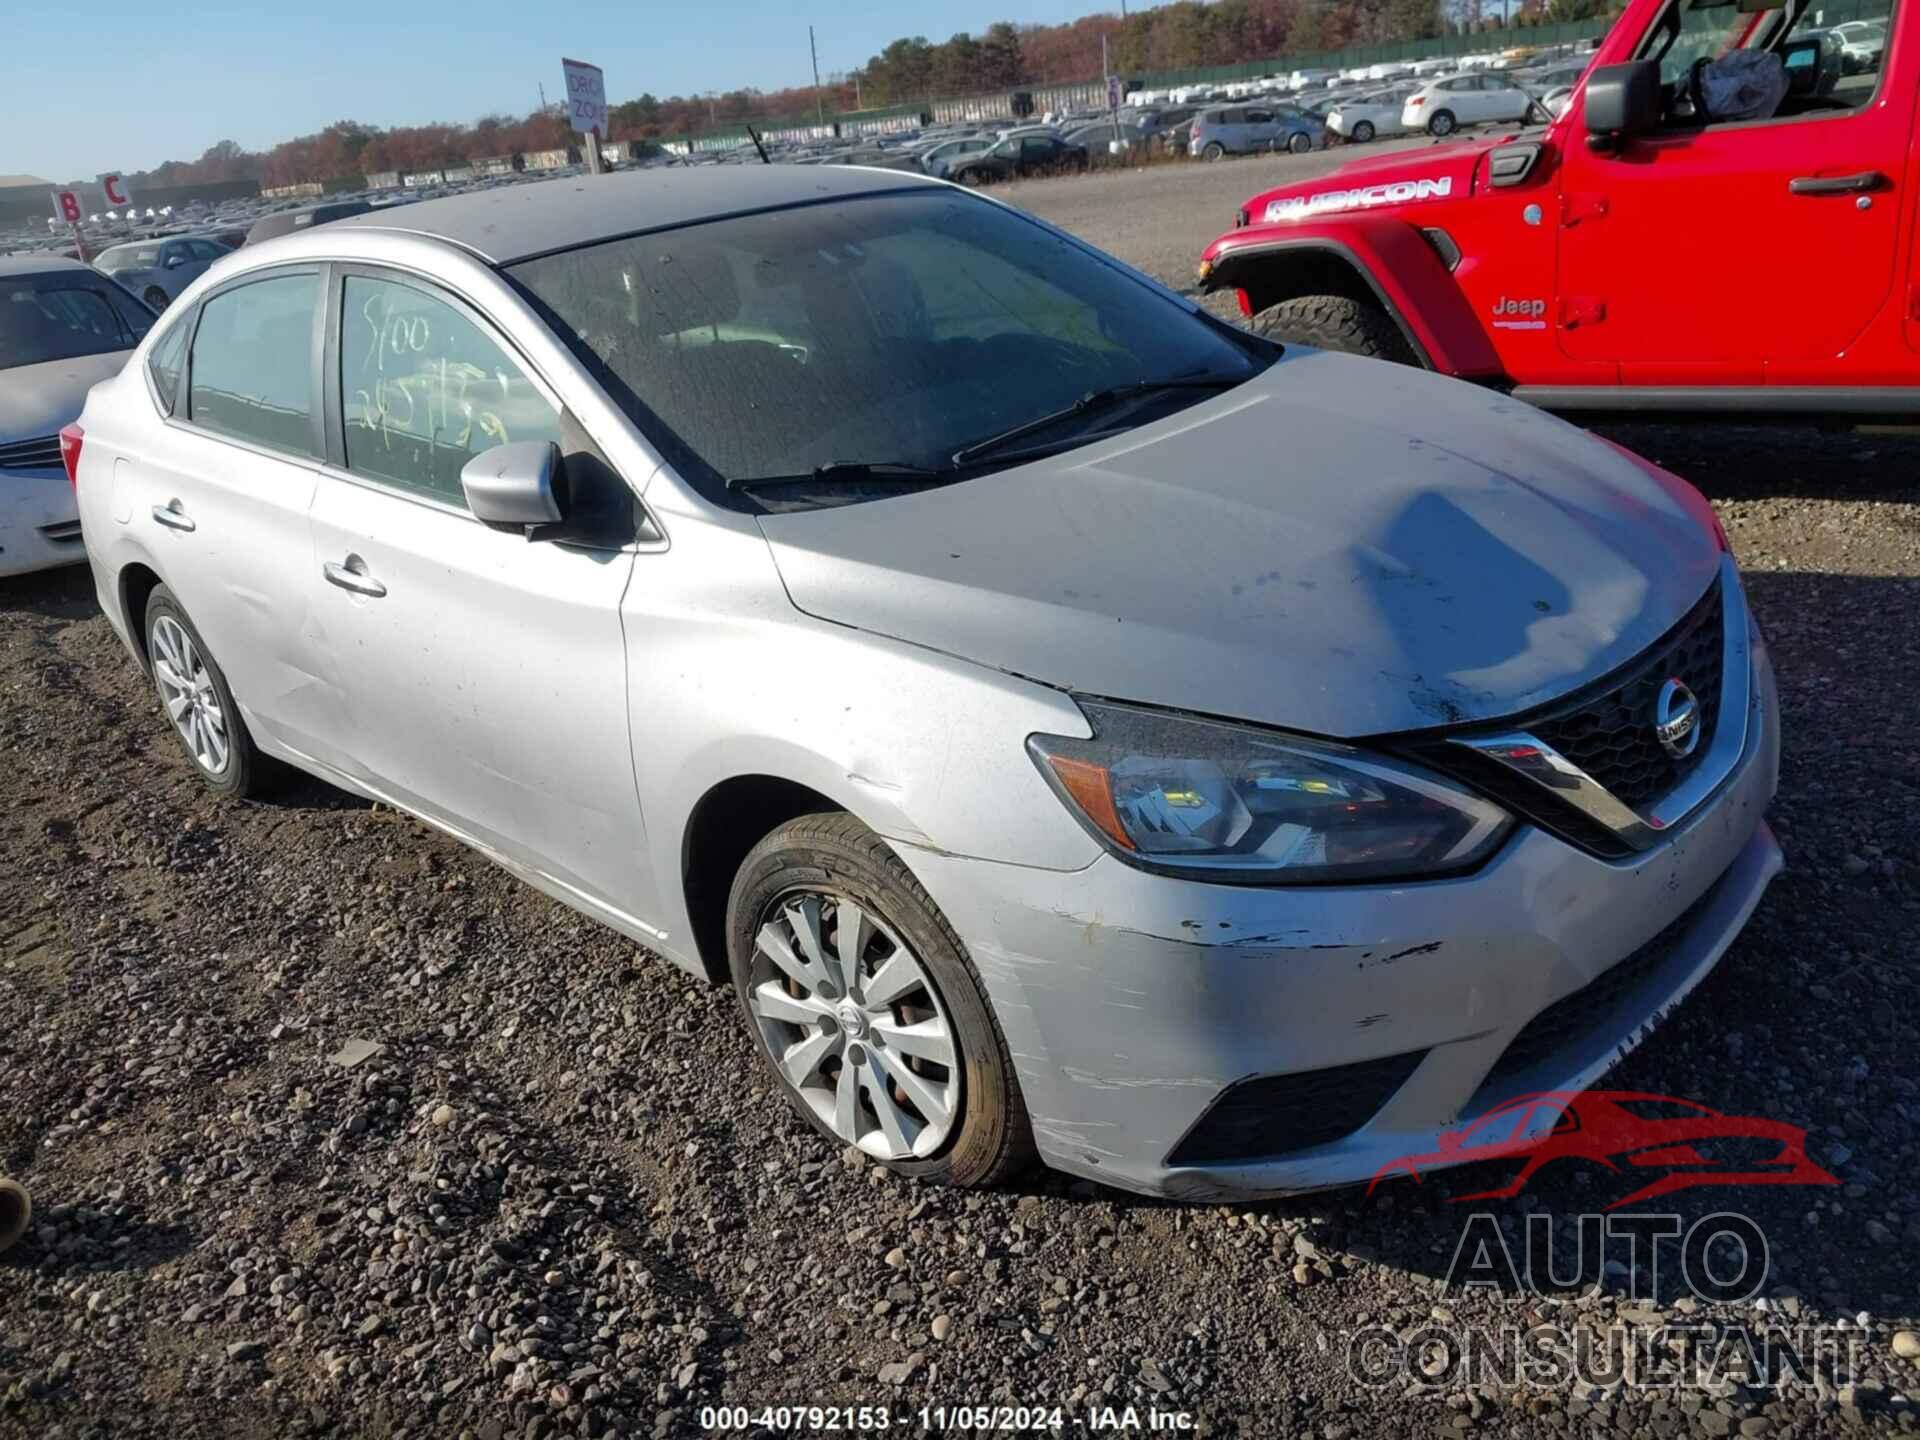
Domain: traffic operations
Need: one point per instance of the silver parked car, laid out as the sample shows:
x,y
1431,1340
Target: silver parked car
x,y
62,329
158,270
1071,724
1251,129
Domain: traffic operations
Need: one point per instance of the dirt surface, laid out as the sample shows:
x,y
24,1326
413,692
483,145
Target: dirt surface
x,y
562,1200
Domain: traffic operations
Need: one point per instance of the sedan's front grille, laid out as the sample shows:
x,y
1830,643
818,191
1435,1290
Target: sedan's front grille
x,y
1611,736
39,454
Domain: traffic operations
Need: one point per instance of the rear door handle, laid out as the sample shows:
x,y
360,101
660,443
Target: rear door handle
x,y
358,581
1838,184
173,517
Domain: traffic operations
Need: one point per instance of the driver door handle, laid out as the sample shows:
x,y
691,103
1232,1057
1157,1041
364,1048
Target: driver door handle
x,y
358,581
1859,184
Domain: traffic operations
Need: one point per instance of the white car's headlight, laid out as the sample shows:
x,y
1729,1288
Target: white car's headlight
x,y
1207,800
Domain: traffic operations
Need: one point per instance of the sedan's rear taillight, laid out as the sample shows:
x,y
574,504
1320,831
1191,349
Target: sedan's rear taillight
x,y
71,439
1416,102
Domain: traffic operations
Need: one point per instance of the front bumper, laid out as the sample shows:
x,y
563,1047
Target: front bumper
x,y
39,522
1131,1002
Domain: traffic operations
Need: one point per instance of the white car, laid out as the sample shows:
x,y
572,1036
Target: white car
x,y
63,329
1375,112
1442,107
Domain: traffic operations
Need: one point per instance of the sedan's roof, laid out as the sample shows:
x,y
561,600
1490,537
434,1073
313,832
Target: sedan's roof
x,y
512,222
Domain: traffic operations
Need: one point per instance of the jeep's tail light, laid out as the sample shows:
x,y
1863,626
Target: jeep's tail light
x,y
71,439
1246,303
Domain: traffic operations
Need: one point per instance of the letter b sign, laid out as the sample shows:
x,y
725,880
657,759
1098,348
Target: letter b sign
x,y
66,205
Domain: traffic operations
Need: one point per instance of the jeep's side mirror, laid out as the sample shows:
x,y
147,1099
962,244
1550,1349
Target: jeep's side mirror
x,y
1622,101
518,486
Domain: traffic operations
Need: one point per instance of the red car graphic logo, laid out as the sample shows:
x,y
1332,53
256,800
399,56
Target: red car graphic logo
x,y
1623,1131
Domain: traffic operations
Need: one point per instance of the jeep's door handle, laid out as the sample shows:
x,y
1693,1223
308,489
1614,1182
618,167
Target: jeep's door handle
x,y
173,517
1837,184
358,581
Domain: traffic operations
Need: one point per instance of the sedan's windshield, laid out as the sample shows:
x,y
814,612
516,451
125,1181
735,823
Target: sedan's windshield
x,y
52,318
895,330
129,257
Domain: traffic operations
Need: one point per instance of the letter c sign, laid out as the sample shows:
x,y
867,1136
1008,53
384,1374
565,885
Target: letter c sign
x,y
116,192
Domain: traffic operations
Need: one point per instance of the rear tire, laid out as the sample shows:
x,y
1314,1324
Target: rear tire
x,y
816,1018
1213,151
1442,124
1362,132
199,707
1333,322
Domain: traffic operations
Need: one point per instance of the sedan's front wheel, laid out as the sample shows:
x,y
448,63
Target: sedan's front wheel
x,y
198,703
867,1009
1300,142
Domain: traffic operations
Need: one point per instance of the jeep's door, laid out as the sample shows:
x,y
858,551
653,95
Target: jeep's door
x,y
1738,250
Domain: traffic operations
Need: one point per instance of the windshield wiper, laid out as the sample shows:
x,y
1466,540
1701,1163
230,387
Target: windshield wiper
x,y
1089,402
835,470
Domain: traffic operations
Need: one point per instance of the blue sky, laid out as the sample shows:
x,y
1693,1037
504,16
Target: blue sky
x,y
150,81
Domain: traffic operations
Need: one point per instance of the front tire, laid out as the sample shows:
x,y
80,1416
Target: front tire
x,y
1300,143
1333,322
199,706
1442,124
866,1008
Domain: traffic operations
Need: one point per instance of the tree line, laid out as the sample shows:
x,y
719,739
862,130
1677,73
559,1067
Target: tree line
x,y
1178,36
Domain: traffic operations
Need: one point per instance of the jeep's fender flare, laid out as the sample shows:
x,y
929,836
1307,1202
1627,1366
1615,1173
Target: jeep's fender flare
x,y
1366,257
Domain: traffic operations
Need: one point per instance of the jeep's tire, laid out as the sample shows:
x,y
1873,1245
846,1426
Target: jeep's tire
x,y
1333,322
823,1019
1213,151
1442,124
1362,132
199,707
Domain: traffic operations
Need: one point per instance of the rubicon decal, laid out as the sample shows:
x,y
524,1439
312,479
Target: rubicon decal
x,y
1669,1143
1400,192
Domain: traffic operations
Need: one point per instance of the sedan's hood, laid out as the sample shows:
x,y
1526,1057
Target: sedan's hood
x,y
1341,547
36,400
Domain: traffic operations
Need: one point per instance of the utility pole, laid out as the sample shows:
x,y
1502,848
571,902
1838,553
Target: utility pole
x,y
543,97
819,100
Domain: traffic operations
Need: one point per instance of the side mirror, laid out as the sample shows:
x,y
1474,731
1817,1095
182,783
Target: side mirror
x,y
1622,101
519,486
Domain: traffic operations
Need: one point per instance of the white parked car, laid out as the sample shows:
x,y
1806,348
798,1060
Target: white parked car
x,y
1443,106
63,329
1375,112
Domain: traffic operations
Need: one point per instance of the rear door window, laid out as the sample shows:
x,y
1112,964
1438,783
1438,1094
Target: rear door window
x,y
251,368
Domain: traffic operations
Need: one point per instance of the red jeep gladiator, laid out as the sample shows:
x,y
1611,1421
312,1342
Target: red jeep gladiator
x,y
1721,220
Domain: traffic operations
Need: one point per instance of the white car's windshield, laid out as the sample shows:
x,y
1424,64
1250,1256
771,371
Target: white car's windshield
x,y
900,330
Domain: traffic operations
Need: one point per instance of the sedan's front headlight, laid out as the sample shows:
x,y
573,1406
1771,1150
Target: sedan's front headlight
x,y
1242,806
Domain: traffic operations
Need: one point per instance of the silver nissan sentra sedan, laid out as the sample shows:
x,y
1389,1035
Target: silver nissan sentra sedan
x,y
1074,726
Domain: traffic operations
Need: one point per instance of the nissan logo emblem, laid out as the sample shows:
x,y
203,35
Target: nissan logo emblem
x,y
1676,719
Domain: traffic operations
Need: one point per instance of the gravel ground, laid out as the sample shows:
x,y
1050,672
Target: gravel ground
x,y
560,1199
